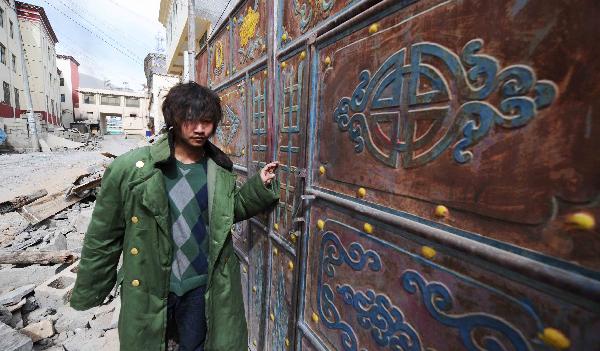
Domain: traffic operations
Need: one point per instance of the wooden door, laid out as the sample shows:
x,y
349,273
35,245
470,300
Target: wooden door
x,y
439,172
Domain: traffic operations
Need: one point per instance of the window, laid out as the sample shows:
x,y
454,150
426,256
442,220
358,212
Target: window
x,y
89,99
17,103
14,63
52,105
50,78
12,34
62,97
3,54
110,100
132,102
132,115
1,17
6,93
62,82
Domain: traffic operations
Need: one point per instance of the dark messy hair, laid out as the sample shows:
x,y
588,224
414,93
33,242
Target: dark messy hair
x,y
191,102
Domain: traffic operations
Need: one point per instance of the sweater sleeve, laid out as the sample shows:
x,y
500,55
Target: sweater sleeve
x,y
254,197
102,246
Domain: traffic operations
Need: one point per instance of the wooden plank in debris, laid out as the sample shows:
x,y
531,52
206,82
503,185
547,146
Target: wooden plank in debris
x,y
47,206
108,154
37,257
91,184
20,201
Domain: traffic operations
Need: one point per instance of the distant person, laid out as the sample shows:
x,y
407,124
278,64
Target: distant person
x,y
170,208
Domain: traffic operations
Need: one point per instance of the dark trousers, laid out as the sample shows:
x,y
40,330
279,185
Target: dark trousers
x,y
186,319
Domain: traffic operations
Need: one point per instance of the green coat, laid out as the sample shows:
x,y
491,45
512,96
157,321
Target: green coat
x,y
132,217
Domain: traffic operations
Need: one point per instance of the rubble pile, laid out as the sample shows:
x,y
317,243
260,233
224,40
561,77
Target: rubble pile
x,y
40,245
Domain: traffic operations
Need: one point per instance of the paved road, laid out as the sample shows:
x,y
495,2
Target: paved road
x,y
25,173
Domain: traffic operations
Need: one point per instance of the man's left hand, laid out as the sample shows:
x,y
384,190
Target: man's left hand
x,y
267,173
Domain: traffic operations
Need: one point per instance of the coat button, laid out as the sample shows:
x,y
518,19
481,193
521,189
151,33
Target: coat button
x,y
134,220
139,164
134,251
135,282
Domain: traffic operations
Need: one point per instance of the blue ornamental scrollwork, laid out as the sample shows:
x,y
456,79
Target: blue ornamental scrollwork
x,y
386,322
438,302
375,312
280,326
229,128
305,12
333,254
394,94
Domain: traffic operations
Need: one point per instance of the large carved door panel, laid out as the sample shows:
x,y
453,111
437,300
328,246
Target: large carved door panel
x,y
466,120
292,118
453,203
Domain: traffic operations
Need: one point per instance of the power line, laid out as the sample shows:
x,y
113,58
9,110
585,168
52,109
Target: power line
x,y
116,42
91,19
217,23
134,59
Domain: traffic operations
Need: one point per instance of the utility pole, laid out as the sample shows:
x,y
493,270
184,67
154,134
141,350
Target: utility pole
x,y
191,76
35,143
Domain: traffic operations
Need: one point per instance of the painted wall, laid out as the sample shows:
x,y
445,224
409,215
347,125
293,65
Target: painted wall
x,y
10,72
40,52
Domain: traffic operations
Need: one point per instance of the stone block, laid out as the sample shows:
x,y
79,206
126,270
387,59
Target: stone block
x,y
15,296
56,291
12,340
5,315
57,243
83,220
39,331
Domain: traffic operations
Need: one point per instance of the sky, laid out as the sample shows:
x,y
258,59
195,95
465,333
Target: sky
x,y
109,38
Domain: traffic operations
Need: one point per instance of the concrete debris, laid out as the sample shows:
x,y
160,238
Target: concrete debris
x,y
44,146
57,143
17,306
16,320
15,296
11,225
11,340
38,331
35,290
5,315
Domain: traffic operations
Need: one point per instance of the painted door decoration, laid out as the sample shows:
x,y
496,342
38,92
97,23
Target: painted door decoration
x,y
230,135
219,58
292,116
248,33
439,172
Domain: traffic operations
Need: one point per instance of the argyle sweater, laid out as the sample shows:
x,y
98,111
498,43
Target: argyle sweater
x,y
188,206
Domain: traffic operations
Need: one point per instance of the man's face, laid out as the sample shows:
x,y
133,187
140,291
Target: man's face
x,y
194,133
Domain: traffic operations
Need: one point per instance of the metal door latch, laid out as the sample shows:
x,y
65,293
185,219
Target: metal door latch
x,y
307,198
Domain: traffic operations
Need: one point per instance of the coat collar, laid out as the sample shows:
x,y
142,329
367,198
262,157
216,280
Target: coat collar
x,y
163,152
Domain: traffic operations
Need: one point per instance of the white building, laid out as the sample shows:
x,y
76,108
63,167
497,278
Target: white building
x,y
69,86
39,42
173,15
116,111
159,84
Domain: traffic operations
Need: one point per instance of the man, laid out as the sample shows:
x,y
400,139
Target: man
x,y
169,208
